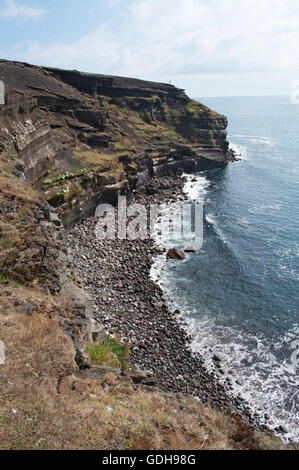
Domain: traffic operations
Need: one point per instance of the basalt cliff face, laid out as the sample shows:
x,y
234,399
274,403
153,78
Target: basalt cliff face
x,y
69,141
84,138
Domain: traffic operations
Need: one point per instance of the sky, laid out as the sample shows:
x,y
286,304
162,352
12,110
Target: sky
x,y
207,47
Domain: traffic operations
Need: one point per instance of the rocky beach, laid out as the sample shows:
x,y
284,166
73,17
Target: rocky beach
x,y
70,142
116,274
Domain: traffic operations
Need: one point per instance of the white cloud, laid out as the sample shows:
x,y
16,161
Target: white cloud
x,y
13,9
219,35
114,3
173,38
95,51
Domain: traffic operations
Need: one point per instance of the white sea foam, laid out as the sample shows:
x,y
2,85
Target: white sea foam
x,y
213,221
267,384
267,207
262,140
257,139
245,221
196,187
285,258
240,150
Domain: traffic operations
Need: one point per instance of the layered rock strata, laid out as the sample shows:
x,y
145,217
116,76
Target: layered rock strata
x,y
85,138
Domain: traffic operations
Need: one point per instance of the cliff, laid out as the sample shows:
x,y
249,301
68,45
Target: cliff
x,y
68,141
51,397
85,138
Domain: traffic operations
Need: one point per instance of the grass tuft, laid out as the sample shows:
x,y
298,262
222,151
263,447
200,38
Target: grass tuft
x,y
110,352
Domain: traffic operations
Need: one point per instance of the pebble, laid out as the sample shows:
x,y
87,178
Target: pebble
x,y
131,305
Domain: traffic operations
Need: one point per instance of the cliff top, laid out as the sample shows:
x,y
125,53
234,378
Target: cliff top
x,y
21,75
65,126
78,139
119,80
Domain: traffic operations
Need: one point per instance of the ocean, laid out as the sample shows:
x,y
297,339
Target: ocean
x,y
238,294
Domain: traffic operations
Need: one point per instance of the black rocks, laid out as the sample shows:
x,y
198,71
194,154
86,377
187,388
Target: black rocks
x,y
281,430
190,249
176,253
130,305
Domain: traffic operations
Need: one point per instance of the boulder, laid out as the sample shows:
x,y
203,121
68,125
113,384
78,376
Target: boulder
x,y
82,358
190,249
176,253
82,325
144,377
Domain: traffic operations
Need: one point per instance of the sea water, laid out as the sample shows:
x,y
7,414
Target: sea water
x,y
239,293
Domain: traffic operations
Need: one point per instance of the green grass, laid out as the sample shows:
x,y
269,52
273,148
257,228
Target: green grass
x,y
194,108
51,170
60,179
197,109
109,352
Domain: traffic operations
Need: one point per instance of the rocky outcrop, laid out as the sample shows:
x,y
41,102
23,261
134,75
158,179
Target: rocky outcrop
x,y
40,254
175,253
81,139
85,138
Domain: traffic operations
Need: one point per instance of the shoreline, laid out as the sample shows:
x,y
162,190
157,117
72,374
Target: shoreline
x,y
131,305
215,365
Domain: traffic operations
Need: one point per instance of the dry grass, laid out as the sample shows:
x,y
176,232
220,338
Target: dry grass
x,y
12,186
94,159
46,404
13,191
123,145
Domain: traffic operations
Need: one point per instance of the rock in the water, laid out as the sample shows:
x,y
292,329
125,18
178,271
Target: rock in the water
x,y
281,430
176,253
190,249
216,358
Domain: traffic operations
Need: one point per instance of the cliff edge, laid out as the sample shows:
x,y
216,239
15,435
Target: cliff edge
x,y
85,138
68,141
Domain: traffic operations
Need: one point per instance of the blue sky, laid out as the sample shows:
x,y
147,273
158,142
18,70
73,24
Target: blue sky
x,y
208,47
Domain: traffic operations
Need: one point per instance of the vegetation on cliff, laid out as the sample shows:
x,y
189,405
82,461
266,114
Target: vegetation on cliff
x,y
66,133
45,403
108,134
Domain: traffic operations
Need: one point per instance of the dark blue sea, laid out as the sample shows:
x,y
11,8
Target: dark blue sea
x,y
239,293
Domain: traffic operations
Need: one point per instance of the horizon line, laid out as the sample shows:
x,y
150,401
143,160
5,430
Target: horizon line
x,y
242,96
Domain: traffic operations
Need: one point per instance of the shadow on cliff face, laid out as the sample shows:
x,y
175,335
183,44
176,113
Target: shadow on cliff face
x,y
46,402
84,138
